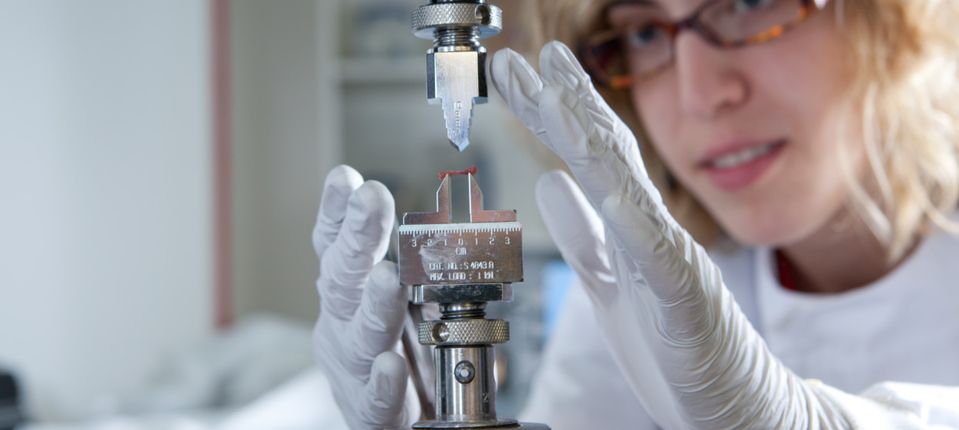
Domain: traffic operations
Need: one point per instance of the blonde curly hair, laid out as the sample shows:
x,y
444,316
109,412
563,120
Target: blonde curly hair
x,y
905,56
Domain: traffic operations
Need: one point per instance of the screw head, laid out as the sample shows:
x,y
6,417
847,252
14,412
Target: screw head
x,y
464,372
441,332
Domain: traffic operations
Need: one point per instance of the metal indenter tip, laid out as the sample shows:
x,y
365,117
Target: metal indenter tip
x,y
456,64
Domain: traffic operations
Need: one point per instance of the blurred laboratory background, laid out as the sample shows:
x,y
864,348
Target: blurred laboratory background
x,y
161,163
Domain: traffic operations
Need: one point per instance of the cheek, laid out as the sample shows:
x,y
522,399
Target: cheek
x,y
659,114
804,99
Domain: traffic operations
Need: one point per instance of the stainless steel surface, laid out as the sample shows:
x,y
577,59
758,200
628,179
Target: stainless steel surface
x,y
443,213
506,425
471,402
477,212
456,64
464,332
421,294
462,266
457,254
456,81
433,251
487,19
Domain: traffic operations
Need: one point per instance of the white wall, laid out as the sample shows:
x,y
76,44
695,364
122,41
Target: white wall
x,y
105,192
286,138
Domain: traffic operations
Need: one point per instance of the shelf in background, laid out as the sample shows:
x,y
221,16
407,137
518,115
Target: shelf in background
x,y
403,71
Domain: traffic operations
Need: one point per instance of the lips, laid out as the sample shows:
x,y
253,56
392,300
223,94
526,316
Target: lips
x,y
736,166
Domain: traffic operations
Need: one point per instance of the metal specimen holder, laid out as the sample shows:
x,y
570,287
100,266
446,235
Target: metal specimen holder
x,y
456,64
461,267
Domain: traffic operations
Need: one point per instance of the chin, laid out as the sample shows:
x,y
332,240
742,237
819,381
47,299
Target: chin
x,y
750,235
773,228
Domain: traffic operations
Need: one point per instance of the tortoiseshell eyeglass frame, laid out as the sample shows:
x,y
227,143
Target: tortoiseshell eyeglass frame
x,y
693,22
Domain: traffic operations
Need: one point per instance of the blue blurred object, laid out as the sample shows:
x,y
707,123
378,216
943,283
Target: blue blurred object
x,y
557,278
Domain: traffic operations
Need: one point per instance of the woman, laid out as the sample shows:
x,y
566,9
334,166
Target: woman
x,y
812,145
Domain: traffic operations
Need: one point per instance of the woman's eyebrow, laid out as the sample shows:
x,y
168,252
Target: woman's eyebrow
x,y
626,3
634,2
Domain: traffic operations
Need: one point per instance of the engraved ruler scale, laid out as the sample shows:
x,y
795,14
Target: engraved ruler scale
x,y
461,267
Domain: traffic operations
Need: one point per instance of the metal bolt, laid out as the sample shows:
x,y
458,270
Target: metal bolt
x,y
441,332
483,14
464,372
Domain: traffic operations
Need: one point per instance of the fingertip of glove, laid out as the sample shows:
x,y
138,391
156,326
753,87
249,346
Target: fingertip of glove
x,y
389,363
337,189
499,66
549,182
338,186
551,190
556,48
369,219
559,65
512,76
556,176
544,190
500,71
343,177
562,202
374,199
388,375
613,209
500,60
386,278
632,226
548,54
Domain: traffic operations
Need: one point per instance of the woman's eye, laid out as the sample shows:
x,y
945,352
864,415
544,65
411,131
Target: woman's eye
x,y
748,5
645,35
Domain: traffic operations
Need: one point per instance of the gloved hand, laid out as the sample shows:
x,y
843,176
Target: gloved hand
x,y
686,349
358,327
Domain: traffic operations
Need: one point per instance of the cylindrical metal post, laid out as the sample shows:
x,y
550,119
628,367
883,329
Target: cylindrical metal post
x,y
465,381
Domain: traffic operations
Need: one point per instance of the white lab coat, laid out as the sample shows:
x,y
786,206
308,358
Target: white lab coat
x,y
903,328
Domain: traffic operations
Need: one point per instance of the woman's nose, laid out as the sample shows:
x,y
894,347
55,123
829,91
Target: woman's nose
x,y
710,82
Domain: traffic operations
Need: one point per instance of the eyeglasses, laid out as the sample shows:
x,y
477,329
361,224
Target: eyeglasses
x,y
643,44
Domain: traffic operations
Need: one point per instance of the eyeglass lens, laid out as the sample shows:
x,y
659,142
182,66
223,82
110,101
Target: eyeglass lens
x,y
641,40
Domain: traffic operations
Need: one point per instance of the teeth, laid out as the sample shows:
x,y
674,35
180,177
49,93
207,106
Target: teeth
x,y
742,157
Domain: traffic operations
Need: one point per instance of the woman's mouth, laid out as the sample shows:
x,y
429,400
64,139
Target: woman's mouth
x,y
737,166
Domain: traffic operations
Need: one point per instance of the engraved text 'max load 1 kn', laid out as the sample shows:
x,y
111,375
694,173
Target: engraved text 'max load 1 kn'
x,y
452,254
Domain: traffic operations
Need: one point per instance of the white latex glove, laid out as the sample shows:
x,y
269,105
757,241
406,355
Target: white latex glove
x,y
686,349
358,327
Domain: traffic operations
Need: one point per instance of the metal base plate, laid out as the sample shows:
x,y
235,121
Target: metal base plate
x,y
498,425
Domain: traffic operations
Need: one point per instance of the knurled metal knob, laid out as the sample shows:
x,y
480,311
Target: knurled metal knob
x,y
488,19
464,332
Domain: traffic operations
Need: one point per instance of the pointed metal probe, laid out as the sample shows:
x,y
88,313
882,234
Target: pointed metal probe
x,y
456,64
458,115
458,82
